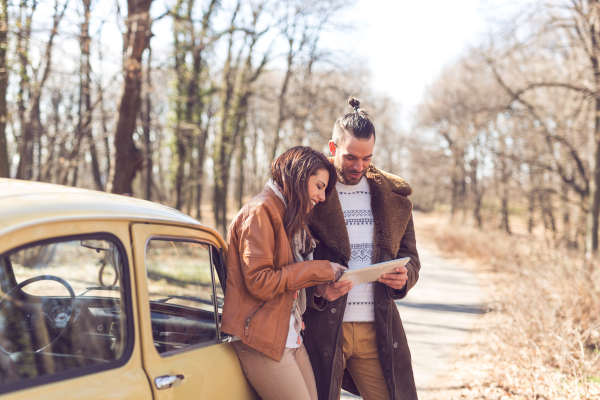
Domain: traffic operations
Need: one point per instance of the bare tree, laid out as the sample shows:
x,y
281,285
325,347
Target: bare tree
x,y
239,74
190,45
128,158
576,27
4,162
31,124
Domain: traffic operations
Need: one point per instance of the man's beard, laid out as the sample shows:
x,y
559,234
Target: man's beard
x,y
341,179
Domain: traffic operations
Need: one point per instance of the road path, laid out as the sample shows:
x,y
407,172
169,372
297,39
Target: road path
x,y
438,315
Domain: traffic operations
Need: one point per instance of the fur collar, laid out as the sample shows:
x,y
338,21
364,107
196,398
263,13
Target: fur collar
x,y
391,211
389,181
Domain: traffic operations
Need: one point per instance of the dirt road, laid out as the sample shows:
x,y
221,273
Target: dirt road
x,y
438,315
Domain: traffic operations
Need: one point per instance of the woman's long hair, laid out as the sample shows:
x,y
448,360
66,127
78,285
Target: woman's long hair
x,y
291,171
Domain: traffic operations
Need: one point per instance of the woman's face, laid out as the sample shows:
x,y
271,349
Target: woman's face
x,y
317,184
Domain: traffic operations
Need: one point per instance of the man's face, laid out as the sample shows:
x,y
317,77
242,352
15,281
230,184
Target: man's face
x,y
351,157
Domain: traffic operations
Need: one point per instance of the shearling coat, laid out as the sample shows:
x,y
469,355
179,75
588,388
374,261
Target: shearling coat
x,y
394,238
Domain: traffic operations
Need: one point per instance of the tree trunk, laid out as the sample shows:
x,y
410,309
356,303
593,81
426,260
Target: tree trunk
x,y
594,216
87,98
548,212
594,212
201,148
459,184
242,156
180,29
281,114
531,210
200,103
147,123
223,139
4,161
25,143
128,158
50,168
477,193
505,218
84,106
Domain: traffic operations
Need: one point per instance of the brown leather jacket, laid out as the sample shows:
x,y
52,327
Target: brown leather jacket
x,y
262,276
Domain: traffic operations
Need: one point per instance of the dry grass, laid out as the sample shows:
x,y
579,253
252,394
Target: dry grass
x,y
541,337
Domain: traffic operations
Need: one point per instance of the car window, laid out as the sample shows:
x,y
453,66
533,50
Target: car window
x,y
62,309
184,293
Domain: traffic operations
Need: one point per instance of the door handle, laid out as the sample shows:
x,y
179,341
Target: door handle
x,y
167,381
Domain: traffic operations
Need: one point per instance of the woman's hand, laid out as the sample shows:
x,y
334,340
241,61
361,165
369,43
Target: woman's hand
x,y
338,270
335,290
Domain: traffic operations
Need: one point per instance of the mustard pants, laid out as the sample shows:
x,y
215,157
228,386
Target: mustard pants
x,y
362,360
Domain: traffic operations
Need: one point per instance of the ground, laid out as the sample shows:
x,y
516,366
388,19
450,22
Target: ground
x,y
439,316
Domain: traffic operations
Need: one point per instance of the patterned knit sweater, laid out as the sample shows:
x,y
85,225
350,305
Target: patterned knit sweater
x,y
356,205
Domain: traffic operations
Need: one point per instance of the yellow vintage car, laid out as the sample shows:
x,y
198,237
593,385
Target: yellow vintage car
x,y
109,297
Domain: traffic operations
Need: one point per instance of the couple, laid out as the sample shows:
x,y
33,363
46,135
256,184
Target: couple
x,y
288,246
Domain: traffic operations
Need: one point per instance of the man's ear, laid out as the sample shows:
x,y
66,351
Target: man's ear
x,y
332,147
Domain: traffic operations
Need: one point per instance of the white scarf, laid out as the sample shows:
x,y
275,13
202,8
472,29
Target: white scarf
x,y
297,242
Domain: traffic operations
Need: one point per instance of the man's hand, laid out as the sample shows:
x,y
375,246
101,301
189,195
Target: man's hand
x,y
333,291
395,280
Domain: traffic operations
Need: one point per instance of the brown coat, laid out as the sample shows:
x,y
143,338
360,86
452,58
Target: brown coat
x,y
262,276
394,238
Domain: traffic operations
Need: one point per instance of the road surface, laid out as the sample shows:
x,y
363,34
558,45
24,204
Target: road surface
x,y
438,315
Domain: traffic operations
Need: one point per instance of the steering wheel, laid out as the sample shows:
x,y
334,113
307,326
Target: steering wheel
x,y
58,318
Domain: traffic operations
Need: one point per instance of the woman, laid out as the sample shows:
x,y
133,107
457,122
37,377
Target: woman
x,y
269,263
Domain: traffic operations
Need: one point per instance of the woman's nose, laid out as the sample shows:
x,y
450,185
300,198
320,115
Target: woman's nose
x,y
321,196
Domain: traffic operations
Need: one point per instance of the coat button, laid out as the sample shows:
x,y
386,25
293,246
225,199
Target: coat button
x,y
395,345
333,310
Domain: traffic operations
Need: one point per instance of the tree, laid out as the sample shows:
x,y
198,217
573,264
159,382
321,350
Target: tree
x,y
128,158
574,28
239,74
4,162
30,92
191,133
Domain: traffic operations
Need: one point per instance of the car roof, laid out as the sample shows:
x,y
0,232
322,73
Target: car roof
x,y
24,203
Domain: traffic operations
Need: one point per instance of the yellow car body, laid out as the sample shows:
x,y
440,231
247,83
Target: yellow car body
x,y
109,297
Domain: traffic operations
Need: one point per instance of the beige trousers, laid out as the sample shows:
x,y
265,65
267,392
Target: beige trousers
x,y
362,360
291,378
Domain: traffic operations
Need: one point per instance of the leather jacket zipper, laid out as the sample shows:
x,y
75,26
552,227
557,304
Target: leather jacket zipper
x,y
249,318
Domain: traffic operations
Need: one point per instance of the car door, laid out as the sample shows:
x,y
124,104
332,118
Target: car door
x,y
67,313
184,353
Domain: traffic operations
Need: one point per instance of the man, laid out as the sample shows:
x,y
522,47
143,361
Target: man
x,y
354,335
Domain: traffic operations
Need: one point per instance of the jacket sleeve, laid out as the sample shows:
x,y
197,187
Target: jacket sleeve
x,y
262,278
408,248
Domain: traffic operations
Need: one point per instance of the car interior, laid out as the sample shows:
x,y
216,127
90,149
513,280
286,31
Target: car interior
x,y
65,306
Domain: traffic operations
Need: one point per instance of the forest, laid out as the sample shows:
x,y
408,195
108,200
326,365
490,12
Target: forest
x,y
516,124
186,102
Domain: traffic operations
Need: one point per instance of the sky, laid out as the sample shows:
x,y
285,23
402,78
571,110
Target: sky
x,y
406,43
